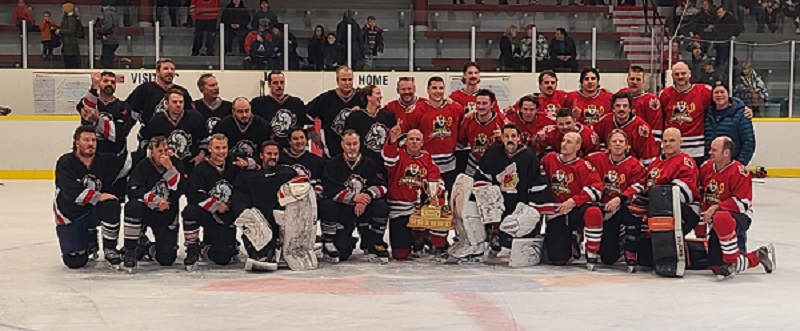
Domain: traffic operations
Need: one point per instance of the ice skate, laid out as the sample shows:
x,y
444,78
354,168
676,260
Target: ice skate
x,y
254,265
130,261
592,260
379,253
631,261
92,246
192,256
113,257
143,248
727,271
439,254
329,252
766,254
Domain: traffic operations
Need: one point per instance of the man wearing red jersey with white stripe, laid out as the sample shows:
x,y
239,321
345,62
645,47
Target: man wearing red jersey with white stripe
x,y
550,98
684,107
645,104
407,102
642,144
529,120
481,130
590,102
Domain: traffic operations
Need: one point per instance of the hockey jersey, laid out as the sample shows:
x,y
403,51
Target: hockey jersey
x,y
590,142
730,187
403,111
185,135
259,189
305,164
686,111
113,124
467,100
210,186
333,109
149,99
407,176
150,184
589,108
617,176
78,187
214,115
479,136
343,180
528,130
677,170
517,175
647,107
244,139
644,146
440,129
549,105
373,130
576,179
282,114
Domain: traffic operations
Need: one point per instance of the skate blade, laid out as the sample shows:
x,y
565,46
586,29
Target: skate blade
x,y
722,278
331,259
115,267
130,270
381,260
631,269
591,267
94,257
191,267
771,254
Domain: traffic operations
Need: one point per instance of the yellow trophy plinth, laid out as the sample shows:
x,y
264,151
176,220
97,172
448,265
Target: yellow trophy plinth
x,y
432,218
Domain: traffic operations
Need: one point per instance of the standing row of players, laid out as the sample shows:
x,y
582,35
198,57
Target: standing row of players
x,y
353,187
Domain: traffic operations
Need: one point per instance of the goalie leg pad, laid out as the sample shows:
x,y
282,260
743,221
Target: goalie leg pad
x,y
521,222
526,252
490,203
255,228
470,231
558,241
298,233
666,228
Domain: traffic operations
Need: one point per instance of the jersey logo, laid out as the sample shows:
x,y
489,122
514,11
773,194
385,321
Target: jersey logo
x,y
644,131
592,114
161,107
654,104
211,122
301,170
508,179
481,144
91,182
222,191
612,183
653,176
469,107
712,191
743,171
376,137
682,112
161,190
552,110
355,183
688,162
245,147
525,137
560,181
338,122
441,127
179,142
282,121
413,175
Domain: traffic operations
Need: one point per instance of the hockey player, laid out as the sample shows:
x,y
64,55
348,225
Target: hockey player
x,y
549,98
529,120
354,196
727,204
211,106
150,98
550,139
332,109
407,102
154,188
83,185
574,183
439,123
619,171
684,107
372,123
643,145
590,102
244,131
645,104
208,197
480,129
281,110
257,190
112,120
409,171
184,128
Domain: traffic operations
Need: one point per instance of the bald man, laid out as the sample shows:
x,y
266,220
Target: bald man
x,y
245,132
684,107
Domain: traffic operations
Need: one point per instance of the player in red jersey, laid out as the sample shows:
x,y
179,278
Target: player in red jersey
x,y
481,130
406,103
727,202
645,105
529,120
590,102
618,171
574,183
684,108
550,98
551,137
439,122
642,144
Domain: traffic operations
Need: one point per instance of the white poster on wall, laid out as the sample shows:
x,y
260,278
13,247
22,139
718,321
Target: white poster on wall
x,y
59,93
499,84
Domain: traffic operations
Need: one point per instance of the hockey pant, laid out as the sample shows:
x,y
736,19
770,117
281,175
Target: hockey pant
x,y
373,223
401,237
559,240
645,247
164,225
219,232
621,233
73,239
723,246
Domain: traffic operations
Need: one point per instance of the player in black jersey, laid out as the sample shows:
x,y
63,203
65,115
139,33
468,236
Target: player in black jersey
x,y
282,111
372,123
245,132
332,108
150,98
211,106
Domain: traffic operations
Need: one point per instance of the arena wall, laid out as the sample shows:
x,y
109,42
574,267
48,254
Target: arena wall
x,y
32,141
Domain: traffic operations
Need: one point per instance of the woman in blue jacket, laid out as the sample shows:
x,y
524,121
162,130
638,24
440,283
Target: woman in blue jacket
x,y
726,117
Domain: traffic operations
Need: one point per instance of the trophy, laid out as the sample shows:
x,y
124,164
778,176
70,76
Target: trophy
x,y
433,193
432,215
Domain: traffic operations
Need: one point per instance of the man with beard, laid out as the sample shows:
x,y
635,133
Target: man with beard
x,y
590,102
551,137
550,98
184,128
404,106
153,192
258,190
150,98
112,121
372,123
332,109
439,123
208,198
211,106
83,183
244,131
481,130
642,144
281,110
529,120
354,197
410,169
645,104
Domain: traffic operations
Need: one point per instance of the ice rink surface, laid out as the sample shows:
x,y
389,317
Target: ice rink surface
x,y
38,293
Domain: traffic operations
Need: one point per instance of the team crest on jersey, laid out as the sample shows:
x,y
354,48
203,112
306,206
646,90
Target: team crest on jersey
x,y
161,107
376,136
282,121
245,147
301,170
654,104
355,183
560,182
339,120
743,171
441,127
222,191
688,162
612,182
91,182
682,112
644,131
179,142
211,122
413,175
481,144
592,114
470,107
552,110
525,137
713,191
161,190
653,176
508,178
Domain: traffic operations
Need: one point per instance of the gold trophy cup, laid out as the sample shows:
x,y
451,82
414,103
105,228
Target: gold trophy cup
x,y
431,216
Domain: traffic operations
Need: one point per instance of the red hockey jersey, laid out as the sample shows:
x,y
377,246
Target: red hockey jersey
x,y
686,111
730,187
616,176
647,106
468,101
590,142
549,106
407,175
575,179
589,109
402,111
528,130
678,170
479,136
644,146
439,126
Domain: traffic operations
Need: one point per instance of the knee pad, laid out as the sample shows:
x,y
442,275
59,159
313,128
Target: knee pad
x,y
109,211
134,209
724,225
222,255
166,258
327,210
379,208
75,261
593,217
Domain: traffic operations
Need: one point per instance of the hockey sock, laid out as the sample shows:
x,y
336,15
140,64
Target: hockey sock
x,y
593,218
191,232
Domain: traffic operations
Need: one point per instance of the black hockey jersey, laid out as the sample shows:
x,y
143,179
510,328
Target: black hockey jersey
x,y
185,136
342,179
213,116
148,99
244,139
305,164
333,110
517,174
374,131
259,189
150,184
282,114
112,126
78,188
210,186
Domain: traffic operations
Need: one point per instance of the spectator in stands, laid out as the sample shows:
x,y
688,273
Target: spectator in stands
x,y
236,18
687,12
751,89
754,8
725,29
510,50
172,6
563,52
107,32
697,50
258,46
277,49
709,76
22,12
356,44
771,10
71,30
126,11
725,117
792,10
333,53
373,42
50,40
263,12
316,46
205,14
704,22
